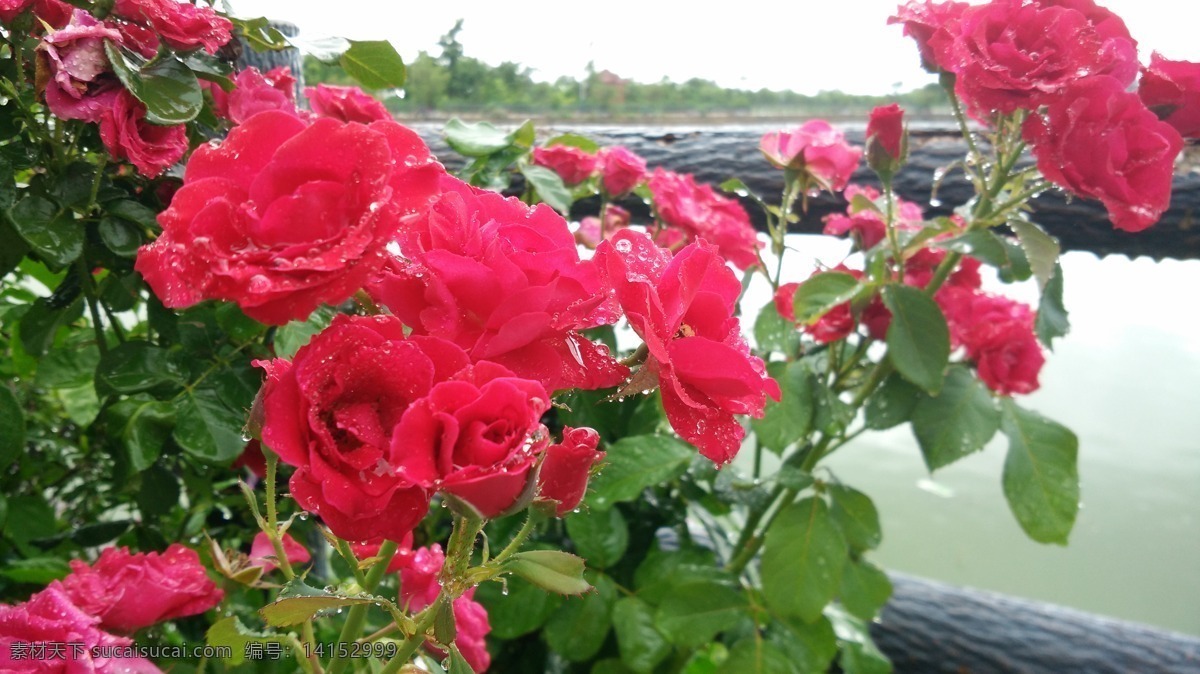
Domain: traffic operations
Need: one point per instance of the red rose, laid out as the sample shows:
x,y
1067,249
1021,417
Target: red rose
x,y
81,84
284,216
816,149
262,552
683,309
331,412
566,468
934,26
998,335
475,437
419,587
620,171
50,617
129,591
835,324
253,93
348,104
696,211
1012,54
182,25
54,12
504,281
1172,90
252,459
128,136
1099,141
885,139
571,164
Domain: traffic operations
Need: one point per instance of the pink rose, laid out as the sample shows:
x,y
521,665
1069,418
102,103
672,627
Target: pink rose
x,y
284,216
998,335
1099,141
262,552
332,412
128,136
620,171
129,591
696,211
419,587
504,281
348,104
683,309
1172,90
182,25
815,149
571,164
1012,54
866,225
934,26
253,93
81,84
475,437
566,467
834,325
589,232
50,617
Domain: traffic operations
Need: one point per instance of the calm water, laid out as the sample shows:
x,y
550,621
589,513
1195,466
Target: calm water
x,y
1127,381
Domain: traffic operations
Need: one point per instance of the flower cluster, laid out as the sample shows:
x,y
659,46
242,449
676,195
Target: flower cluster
x,y
121,592
82,83
1066,64
618,169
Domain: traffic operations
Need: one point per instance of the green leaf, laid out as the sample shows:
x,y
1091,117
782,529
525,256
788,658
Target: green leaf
x,y
811,646
856,516
50,231
575,140
298,602
290,337
159,492
831,414
549,186
708,660
40,325
577,630
458,663
259,34
134,212
982,244
239,326
892,403
600,536
12,427
29,518
790,420
641,645
375,64
208,429
637,462
1040,248
232,634
802,560
12,246
1052,318
773,332
445,629
822,292
755,656
859,653
35,571
167,87
693,613
918,339
865,589
524,609
661,570
551,570
208,68
98,533
1041,478
476,140
143,425
71,366
120,236
8,184
137,366
959,421
1018,267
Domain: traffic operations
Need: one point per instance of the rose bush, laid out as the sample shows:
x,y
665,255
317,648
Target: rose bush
x,y
597,423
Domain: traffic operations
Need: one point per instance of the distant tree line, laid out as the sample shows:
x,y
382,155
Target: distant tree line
x,y
453,83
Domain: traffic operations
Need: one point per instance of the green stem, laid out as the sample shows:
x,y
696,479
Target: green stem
x,y
414,641
357,616
90,293
531,522
308,636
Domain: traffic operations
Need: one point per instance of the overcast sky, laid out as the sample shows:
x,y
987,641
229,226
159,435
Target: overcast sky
x,y
804,45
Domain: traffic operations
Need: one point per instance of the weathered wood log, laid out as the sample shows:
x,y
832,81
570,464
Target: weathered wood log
x,y
933,628
717,153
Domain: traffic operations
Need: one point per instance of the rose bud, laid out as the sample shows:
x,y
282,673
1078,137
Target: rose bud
x,y
887,143
566,468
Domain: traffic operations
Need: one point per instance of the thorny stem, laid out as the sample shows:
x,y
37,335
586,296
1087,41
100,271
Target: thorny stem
x,y
308,636
357,617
